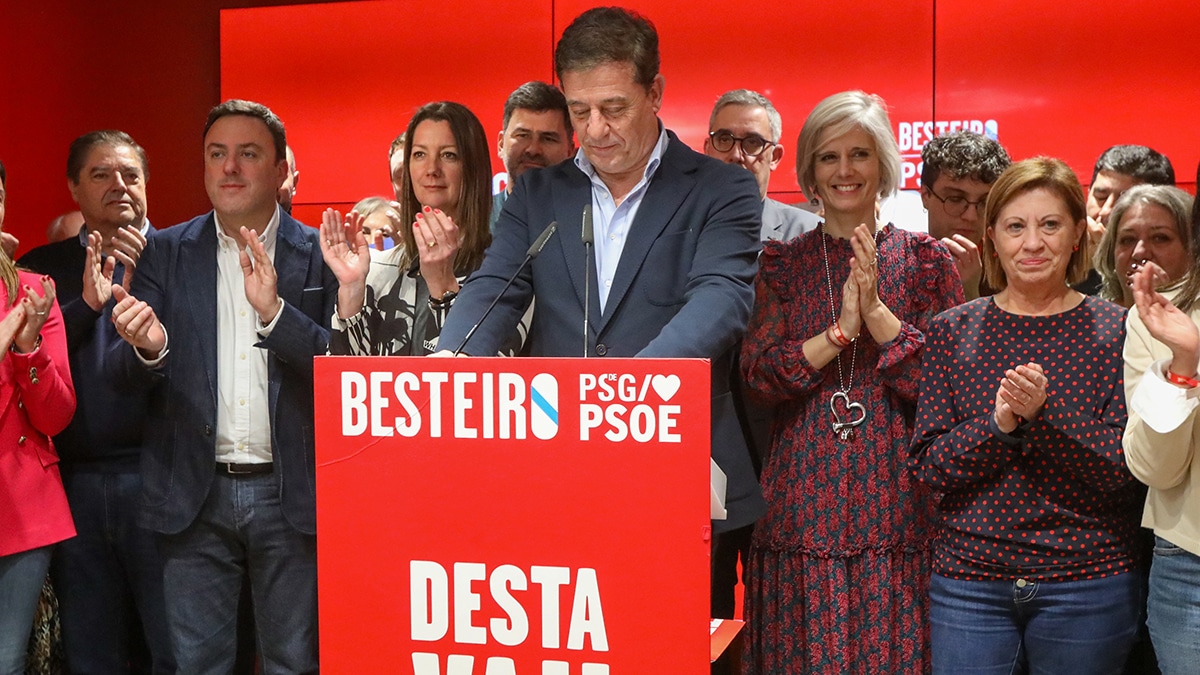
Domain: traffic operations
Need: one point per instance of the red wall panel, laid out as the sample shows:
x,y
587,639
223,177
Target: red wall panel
x,y
790,53
359,70
341,143
1063,79
1070,79
148,67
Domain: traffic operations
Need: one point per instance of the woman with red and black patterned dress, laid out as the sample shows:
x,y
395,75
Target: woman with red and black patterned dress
x,y
838,567
1019,427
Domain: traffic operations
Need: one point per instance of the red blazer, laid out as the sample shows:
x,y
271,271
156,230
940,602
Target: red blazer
x,y
37,400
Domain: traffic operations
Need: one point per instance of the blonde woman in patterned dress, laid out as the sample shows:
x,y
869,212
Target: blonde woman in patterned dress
x,y
839,565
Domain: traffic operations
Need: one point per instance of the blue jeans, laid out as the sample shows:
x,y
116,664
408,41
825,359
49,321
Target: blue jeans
x,y
1039,627
21,578
108,579
241,531
1173,608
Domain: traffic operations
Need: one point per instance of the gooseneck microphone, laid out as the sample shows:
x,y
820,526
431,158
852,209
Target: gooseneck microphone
x,y
588,241
534,250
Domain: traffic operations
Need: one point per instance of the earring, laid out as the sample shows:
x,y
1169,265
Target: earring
x,y
1075,248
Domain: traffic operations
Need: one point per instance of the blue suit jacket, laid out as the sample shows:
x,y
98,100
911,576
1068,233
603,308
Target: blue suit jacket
x,y
177,276
683,286
106,432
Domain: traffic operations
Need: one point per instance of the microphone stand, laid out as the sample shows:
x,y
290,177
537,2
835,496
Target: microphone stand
x,y
534,250
588,242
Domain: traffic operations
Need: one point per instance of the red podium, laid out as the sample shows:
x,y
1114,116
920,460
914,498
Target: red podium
x,y
491,516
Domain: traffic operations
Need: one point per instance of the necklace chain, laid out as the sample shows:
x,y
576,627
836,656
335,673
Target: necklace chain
x,y
843,385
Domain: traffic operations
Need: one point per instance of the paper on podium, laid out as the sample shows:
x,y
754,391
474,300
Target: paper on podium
x,y
717,482
721,632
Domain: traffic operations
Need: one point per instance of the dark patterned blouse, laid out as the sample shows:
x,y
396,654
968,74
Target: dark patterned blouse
x,y
827,496
1053,500
397,317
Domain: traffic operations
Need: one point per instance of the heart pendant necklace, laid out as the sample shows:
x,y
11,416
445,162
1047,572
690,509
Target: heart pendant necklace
x,y
854,411
845,428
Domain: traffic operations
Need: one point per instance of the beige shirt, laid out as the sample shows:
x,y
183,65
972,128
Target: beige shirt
x,y
1161,438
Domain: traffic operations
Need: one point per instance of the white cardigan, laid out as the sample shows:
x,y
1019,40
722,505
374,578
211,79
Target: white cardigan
x,y
1162,437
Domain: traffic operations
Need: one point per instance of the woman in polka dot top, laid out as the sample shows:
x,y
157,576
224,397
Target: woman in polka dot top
x,y
1019,428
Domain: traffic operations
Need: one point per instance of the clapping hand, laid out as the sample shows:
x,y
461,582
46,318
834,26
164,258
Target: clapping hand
x,y
37,309
438,240
1165,321
10,326
864,269
966,258
137,323
1021,395
344,247
98,273
258,274
128,245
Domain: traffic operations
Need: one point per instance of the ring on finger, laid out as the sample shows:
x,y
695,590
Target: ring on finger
x,y
431,243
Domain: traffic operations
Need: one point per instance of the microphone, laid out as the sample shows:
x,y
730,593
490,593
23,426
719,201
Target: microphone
x,y
588,241
588,234
534,250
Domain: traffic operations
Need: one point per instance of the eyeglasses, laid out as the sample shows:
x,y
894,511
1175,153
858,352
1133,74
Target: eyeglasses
x,y
956,206
752,146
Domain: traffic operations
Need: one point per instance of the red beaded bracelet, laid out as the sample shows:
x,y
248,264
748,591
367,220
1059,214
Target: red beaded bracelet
x,y
1189,382
839,338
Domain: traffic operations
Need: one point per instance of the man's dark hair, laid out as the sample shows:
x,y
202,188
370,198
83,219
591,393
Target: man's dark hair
x,y
3,175
538,97
397,143
1141,163
257,111
963,154
80,147
609,35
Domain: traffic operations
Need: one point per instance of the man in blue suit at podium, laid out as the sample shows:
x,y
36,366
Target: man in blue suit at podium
x,y
676,238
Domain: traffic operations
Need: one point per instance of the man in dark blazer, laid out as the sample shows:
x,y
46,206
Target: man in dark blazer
x,y
108,578
676,238
225,315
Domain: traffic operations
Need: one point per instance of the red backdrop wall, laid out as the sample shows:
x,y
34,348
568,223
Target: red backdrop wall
x,y
1064,80
148,67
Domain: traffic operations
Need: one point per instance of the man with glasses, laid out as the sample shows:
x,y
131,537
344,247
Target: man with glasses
x,y
957,172
745,129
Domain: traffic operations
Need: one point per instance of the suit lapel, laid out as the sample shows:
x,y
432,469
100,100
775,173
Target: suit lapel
x,y
8,375
198,282
291,260
669,186
568,211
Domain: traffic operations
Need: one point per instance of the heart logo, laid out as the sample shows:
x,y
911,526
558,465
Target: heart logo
x,y
850,407
665,386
